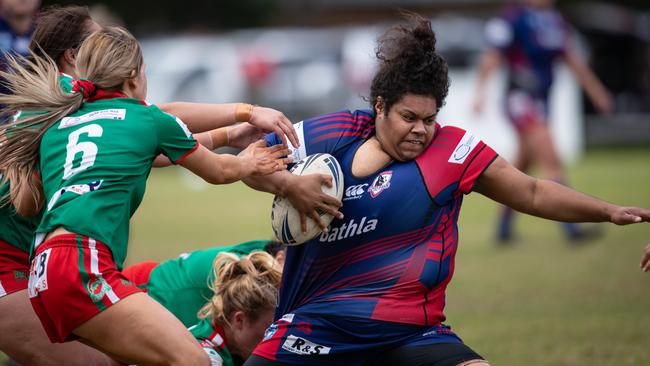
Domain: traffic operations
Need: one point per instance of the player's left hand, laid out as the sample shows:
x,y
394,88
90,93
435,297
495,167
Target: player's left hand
x,y
645,260
629,215
270,120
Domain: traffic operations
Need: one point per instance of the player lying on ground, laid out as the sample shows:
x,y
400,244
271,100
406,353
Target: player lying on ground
x,y
183,285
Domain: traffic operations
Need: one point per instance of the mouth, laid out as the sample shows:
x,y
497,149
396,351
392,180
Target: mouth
x,y
414,142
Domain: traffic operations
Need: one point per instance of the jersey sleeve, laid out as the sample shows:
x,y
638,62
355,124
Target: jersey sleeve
x,y
453,162
499,33
174,138
328,133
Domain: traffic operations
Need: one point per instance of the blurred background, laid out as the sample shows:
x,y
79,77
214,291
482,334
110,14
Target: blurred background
x,y
538,302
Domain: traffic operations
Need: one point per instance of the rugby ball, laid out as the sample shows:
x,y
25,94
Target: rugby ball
x,y
286,219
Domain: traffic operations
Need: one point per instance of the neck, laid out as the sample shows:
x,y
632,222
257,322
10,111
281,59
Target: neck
x,y
229,335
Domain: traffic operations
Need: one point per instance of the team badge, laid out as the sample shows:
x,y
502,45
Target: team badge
x,y
381,183
97,288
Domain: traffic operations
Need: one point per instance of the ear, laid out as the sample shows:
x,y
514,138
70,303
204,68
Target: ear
x,y
69,56
238,318
379,106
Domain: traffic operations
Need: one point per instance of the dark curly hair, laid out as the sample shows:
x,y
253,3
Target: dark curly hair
x,y
409,64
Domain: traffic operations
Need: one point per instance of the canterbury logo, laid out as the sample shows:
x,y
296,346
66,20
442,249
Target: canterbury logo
x,y
355,192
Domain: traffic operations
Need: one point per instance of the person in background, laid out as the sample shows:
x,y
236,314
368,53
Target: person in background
x,y
183,285
529,37
234,320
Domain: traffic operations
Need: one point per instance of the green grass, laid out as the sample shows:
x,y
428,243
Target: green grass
x,y
537,302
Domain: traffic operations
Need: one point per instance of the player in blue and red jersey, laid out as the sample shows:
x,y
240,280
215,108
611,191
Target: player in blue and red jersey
x,y
371,289
529,38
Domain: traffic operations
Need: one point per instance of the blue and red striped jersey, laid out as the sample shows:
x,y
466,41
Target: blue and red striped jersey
x,y
392,256
531,40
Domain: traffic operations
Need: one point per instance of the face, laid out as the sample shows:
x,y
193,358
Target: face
x,y
20,7
248,333
408,127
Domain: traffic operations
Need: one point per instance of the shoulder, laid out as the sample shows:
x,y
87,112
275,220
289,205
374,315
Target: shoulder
x,y
450,144
343,124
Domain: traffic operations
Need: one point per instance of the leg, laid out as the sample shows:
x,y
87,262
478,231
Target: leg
x,y
544,152
522,162
437,354
139,330
29,344
255,360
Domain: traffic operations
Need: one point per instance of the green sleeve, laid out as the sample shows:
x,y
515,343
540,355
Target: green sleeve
x,y
174,138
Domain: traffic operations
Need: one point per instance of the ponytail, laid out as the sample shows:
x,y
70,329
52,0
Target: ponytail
x,y
249,284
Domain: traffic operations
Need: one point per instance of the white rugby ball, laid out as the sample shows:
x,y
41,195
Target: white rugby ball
x,y
286,219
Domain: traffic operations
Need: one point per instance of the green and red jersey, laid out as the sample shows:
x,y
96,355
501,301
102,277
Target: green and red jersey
x,y
182,284
213,341
95,163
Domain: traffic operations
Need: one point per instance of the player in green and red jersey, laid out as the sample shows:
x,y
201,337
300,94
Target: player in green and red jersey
x,y
60,43
236,317
93,185
183,285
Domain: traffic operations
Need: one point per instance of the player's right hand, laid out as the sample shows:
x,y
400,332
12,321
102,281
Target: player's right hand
x,y
645,260
306,195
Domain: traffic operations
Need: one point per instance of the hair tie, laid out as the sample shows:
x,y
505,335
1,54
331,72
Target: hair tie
x,y
85,86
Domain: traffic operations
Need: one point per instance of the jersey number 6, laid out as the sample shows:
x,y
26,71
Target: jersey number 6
x,y
87,149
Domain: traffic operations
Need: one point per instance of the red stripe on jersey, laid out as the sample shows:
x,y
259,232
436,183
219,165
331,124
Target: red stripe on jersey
x,y
336,134
180,160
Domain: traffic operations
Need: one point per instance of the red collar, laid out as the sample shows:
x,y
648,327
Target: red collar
x,y
105,94
218,337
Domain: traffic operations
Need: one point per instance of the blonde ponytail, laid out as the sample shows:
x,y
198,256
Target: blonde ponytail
x,y
249,284
35,90
107,58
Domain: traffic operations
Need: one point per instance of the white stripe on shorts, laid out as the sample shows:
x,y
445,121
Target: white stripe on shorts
x,y
94,257
94,268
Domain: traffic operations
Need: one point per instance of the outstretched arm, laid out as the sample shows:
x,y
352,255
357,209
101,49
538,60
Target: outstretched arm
x,y
596,91
488,64
544,198
201,117
257,159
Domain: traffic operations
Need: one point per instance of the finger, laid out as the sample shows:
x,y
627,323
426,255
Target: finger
x,y
326,180
314,216
282,153
279,132
331,211
331,201
289,131
303,222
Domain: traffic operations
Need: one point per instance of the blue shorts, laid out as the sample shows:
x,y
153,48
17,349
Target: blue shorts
x,y
318,340
525,110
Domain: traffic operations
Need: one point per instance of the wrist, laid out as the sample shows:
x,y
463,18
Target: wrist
x,y
219,137
243,112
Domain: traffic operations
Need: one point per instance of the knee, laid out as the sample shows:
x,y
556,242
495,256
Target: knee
x,y
194,357
474,363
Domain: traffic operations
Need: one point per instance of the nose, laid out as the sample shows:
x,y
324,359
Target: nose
x,y
418,127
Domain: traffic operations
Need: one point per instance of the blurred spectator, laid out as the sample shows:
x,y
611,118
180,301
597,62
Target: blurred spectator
x,y
16,28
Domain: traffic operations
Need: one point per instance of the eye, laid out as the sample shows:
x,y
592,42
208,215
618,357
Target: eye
x,y
429,121
408,117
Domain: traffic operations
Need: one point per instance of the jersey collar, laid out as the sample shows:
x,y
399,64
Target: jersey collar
x,y
105,94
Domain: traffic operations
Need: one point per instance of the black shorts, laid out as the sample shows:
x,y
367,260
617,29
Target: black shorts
x,y
438,354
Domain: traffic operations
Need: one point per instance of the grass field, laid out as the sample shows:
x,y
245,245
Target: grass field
x,y
537,302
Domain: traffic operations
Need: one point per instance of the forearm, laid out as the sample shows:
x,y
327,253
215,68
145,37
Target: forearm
x,y
554,201
202,117
488,64
275,183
